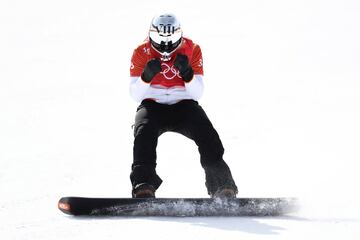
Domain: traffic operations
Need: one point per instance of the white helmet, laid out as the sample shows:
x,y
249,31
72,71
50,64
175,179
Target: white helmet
x,y
165,34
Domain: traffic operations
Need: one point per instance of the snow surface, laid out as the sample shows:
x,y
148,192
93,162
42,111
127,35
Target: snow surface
x,y
282,88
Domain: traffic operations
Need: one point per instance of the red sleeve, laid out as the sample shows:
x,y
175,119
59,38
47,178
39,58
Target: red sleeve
x,y
138,61
196,60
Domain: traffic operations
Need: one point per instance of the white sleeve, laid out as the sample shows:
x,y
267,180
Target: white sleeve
x,y
138,88
195,87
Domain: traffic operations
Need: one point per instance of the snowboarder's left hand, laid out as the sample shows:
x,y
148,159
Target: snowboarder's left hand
x,y
182,64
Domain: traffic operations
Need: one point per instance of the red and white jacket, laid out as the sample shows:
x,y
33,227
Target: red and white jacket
x,y
167,87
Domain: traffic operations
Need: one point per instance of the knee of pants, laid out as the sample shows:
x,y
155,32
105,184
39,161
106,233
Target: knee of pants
x,y
209,144
146,130
145,144
211,154
145,141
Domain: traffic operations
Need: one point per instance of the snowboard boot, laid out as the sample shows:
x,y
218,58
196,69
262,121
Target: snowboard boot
x,y
143,190
224,193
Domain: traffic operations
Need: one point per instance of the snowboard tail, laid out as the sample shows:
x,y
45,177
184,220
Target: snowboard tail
x,y
80,206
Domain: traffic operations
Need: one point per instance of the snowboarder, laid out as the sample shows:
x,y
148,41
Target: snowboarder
x,y
166,78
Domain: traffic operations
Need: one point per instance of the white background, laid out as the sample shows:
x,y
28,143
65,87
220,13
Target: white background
x,y
282,89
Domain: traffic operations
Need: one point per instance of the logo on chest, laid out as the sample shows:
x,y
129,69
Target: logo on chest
x,y
169,72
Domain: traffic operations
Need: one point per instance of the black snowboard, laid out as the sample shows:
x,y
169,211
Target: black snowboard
x,y
79,206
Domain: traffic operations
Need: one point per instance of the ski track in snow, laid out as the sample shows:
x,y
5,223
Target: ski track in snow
x,y
286,108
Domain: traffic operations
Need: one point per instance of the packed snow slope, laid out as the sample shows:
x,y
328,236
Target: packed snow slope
x,y
282,87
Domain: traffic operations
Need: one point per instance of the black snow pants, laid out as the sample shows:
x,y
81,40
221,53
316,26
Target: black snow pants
x,y
189,119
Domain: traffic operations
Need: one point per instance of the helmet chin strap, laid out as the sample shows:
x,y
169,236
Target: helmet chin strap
x,y
166,56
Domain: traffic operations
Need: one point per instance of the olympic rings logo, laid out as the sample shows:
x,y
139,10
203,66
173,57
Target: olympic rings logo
x,y
169,72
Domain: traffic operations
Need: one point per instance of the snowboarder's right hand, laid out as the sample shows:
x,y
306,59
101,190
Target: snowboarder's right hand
x,y
152,67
